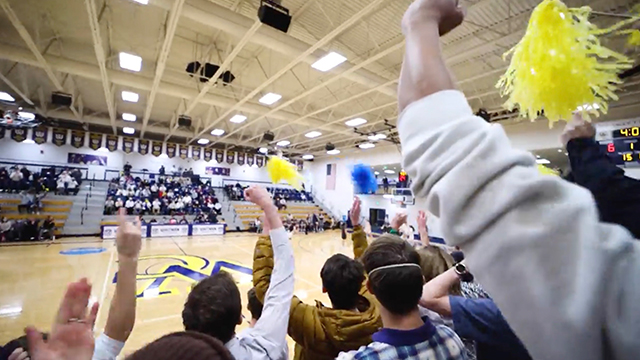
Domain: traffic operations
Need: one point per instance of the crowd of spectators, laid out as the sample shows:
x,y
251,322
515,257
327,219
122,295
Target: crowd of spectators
x,y
279,195
30,229
62,181
167,195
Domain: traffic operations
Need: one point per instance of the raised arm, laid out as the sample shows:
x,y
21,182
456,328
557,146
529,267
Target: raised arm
x,y
422,228
435,293
359,237
561,278
271,329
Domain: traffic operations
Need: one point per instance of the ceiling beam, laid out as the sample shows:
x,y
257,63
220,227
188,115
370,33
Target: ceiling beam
x,y
161,62
24,34
94,24
13,87
320,43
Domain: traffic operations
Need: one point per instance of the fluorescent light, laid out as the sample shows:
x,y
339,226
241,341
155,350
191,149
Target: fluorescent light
x,y
203,141
329,61
130,61
381,136
333,152
387,196
6,97
307,157
559,150
366,146
313,134
130,96
128,130
237,119
537,156
129,117
143,2
217,132
27,115
28,141
263,150
270,98
10,311
376,172
356,122
389,172
588,107
543,161
283,143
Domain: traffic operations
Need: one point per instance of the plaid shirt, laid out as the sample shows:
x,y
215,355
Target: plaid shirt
x,y
429,341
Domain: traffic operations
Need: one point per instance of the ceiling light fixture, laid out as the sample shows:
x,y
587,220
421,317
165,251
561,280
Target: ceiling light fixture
x,y
143,2
376,172
130,96
6,97
129,117
307,157
588,107
543,161
559,150
128,130
283,143
130,61
270,98
389,171
356,122
27,115
366,146
313,134
217,132
263,150
329,61
203,141
381,136
237,119
333,152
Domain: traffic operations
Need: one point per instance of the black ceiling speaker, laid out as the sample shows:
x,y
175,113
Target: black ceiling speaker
x,y
184,121
193,68
268,136
206,72
274,15
329,147
61,99
483,113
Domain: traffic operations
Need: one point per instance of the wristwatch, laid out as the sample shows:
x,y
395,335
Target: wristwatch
x,y
462,272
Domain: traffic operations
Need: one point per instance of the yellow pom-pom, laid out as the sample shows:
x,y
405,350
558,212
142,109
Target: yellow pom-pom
x,y
634,38
559,65
546,171
280,169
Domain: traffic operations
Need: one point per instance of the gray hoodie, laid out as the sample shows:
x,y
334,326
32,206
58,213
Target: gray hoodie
x,y
568,285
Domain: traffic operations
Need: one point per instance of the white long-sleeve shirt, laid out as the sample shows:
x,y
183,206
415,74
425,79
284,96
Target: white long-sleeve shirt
x,y
566,283
267,339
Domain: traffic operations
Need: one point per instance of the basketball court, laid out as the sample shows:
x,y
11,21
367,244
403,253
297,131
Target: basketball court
x,y
35,277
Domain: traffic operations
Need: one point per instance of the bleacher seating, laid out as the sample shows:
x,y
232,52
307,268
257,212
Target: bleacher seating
x,y
58,209
249,212
234,192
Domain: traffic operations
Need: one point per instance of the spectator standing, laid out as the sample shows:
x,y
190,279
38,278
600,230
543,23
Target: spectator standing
x,y
16,179
129,205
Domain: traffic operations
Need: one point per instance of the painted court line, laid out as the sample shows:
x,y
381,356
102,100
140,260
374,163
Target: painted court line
x,y
103,295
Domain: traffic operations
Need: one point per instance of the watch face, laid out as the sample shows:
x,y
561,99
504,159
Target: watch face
x,y
461,269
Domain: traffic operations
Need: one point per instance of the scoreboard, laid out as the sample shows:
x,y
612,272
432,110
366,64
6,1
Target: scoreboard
x,y
621,143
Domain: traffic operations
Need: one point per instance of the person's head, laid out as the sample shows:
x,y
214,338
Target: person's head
x,y
214,307
434,261
342,278
254,306
395,276
4,219
183,345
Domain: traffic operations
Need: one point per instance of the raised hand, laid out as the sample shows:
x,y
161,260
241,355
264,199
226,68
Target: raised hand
x,y
19,354
577,128
128,237
422,220
398,220
354,214
258,195
447,14
72,331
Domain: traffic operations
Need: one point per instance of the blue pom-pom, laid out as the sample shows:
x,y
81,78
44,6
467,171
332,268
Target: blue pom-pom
x,y
364,179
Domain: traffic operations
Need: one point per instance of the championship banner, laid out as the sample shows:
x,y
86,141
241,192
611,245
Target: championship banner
x,y
77,139
300,165
156,149
259,160
127,145
112,142
143,147
2,133
19,135
250,159
171,150
195,152
95,141
59,137
183,150
39,135
241,158
231,156
208,153
219,155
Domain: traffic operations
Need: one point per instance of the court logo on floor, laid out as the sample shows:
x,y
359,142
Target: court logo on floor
x,y
83,251
165,274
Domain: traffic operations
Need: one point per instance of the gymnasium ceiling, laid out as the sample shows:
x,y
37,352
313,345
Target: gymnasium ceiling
x,y
73,46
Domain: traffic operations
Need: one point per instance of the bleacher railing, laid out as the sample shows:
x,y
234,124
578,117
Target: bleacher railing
x,y
146,175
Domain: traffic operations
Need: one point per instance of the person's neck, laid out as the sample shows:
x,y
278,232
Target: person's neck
x,y
409,321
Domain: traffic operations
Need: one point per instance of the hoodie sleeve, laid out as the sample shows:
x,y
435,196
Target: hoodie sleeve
x,y
564,281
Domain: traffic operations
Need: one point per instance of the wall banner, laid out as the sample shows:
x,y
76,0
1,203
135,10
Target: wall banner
x,y
171,150
183,150
219,155
250,159
112,142
143,147
19,135
59,137
156,149
127,145
95,141
77,139
231,156
39,135
208,154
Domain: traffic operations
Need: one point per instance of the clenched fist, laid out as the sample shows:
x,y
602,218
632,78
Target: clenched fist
x,y
128,237
258,195
577,128
354,214
398,220
447,14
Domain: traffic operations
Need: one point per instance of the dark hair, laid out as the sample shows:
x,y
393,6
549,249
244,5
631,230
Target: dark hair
x,y
213,307
342,277
398,289
183,345
434,261
254,306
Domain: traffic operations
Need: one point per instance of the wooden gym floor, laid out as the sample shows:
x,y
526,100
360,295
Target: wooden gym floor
x,y
34,277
